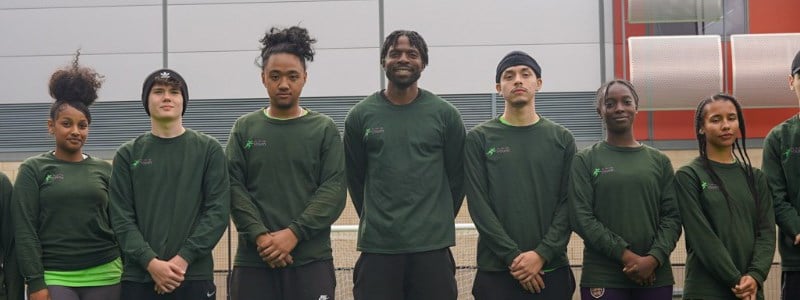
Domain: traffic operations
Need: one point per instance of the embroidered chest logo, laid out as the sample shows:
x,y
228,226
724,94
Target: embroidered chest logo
x,y
53,178
790,151
373,131
708,186
255,143
141,162
601,171
497,150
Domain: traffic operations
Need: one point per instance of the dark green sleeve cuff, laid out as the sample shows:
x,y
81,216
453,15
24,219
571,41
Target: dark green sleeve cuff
x,y
146,257
36,284
254,231
510,258
301,236
546,253
659,255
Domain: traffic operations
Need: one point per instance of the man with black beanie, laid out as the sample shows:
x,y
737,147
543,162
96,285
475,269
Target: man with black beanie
x,y
781,164
170,199
517,166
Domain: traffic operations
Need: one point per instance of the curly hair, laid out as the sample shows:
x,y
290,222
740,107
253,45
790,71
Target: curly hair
x,y
293,40
75,86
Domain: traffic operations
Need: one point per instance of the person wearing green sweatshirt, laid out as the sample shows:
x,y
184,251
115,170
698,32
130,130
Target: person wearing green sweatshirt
x,y
12,286
726,208
624,207
287,183
404,159
517,166
781,164
170,199
65,246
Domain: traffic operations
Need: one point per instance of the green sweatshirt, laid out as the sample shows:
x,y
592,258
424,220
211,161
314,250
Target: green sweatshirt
x,y
169,197
517,191
286,173
405,172
10,279
781,164
623,198
723,241
61,216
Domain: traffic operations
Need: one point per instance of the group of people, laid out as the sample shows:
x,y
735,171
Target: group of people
x,y
77,227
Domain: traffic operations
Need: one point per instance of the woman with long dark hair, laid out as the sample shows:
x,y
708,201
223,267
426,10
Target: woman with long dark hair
x,y
726,209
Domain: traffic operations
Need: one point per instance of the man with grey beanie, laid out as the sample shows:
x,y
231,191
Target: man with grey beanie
x,y
170,199
517,165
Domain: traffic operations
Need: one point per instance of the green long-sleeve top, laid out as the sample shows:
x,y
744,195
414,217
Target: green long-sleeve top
x,y
723,240
286,174
61,216
781,165
169,196
517,191
623,198
6,232
405,172
6,226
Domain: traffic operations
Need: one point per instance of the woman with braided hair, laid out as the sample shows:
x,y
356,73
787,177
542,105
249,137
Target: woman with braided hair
x,y
624,258
726,209
64,241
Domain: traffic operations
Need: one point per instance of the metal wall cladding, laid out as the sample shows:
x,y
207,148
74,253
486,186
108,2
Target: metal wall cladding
x,y
24,130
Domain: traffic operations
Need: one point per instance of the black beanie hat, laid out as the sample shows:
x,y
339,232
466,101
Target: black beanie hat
x,y
164,74
796,64
517,58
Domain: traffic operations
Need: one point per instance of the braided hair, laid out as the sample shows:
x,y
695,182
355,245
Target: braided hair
x,y
74,86
293,40
739,147
414,39
602,92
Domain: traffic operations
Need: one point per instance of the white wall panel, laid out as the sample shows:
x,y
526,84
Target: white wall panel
x,y
226,75
135,29
24,4
761,67
460,70
25,78
193,2
501,22
675,72
221,27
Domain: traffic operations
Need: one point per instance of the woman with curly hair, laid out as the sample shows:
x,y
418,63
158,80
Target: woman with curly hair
x,y
65,244
287,182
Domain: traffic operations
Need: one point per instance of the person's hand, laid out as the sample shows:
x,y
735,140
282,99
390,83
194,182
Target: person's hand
x,y
641,269
527,268
269,252
167,275
180,262
526,265
746,289
533,285
42,294
797,239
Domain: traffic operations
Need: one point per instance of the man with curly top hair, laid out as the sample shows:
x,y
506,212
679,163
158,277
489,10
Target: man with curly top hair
x,y
286,166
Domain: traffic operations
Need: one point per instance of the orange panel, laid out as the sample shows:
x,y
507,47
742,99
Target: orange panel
x,y
679,125
761,121
673,125
773,16
640,125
